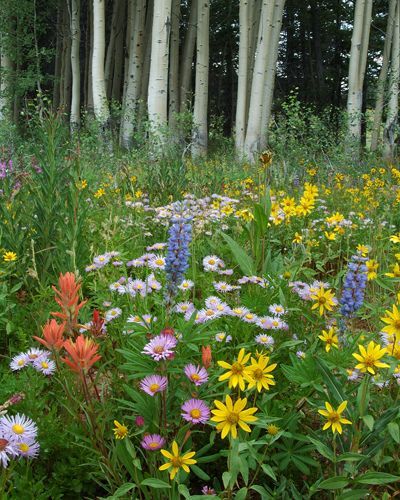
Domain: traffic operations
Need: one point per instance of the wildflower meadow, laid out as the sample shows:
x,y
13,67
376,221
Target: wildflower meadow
x,y
237,336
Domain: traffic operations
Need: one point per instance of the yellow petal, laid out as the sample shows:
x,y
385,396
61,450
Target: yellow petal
x,y
166,454
342,407
175,449
165,466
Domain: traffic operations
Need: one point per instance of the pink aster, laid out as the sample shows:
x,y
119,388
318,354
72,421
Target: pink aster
x,y
197,374
195,411
152,442
160,347
153,384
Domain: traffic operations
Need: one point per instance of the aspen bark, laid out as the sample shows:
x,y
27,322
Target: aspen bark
x,y
383,74
389,133
100,103
5,88
358,59
187,58
271,71
200,127
158,81
241,104
109,64
253,133
144,87
75,65
134,75
173,77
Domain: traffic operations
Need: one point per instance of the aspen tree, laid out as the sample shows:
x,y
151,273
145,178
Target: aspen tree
x,y
75,65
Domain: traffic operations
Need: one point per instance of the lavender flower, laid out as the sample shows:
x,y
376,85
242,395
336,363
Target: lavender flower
x,y
152,442
197,374
153,384
160,347
354,286
195,411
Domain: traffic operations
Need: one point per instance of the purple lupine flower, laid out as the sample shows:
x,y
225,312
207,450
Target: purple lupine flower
x,y
195,411
177,259
354,286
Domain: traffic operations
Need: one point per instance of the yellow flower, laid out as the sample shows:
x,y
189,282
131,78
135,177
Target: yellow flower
x,y
392,320
81,185
369,358
334,417
324,299
227,210
330,338
372,267
237,372
138,193
397,255
9,256
298,238
259,371
395,238
99,193
272,429
363,249
120,430
395,271
330,236
230,414
177,461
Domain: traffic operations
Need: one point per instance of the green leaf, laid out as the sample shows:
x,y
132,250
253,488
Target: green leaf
x,y
369,421
244,261
354,495
261,219
200,473
122,490
241,494
153,482
377,478
226,477
334,388
394,431
350,457
322,449
261,490
334,483
268,470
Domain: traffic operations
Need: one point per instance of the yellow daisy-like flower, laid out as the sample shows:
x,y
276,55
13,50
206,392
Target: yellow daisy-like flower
x,y
120,430
177,461
324,300
99,193
330,338
372,267
369,358
230,415
9,256
237,372
272,429
395,238
363,249
298,238
331,236
395,271
259,371
392,320
334,417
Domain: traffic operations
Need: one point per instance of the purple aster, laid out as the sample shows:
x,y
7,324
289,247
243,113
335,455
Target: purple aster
x,y
34,354
28,448
153,384
19,361
206,490
195,411
152,442
265,340
277,310
19,427
45,366
8,448
196,374
160,347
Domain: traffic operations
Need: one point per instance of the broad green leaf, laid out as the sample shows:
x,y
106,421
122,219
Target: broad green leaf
x,y
322,449
241,494
153,482
393,429
350,457
377,478
268,470
334,388
122,490
200,473
369,421
226,477
334,483
244,261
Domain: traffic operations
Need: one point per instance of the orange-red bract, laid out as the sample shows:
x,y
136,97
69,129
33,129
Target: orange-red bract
x,y
206,356
53,334
83,354
67,297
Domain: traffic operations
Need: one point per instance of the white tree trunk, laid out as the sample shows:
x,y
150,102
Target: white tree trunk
x,y
5,71
173,105
382,79
100,104
271,71
157,99
200,128
75,118
134,75
109,64
253,133
187,58
389,133
358,59
241,104
144,87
